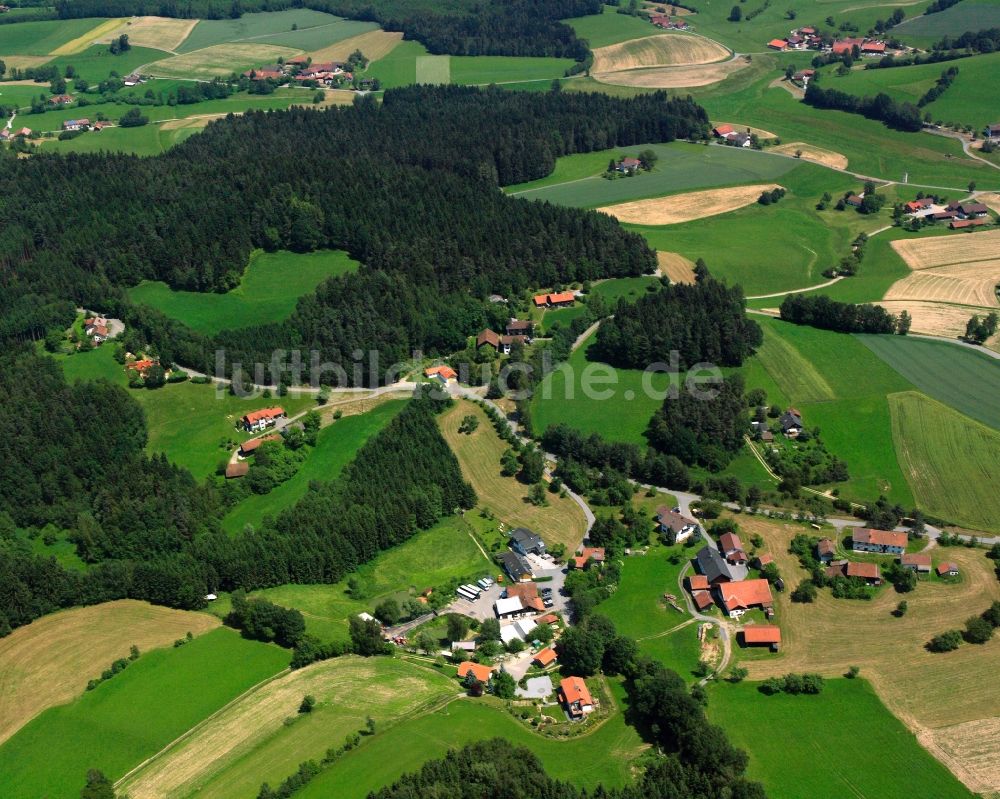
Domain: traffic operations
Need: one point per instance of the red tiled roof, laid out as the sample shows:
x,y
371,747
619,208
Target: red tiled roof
x,y
867,571
764,559
479,671
237,469
881,538
945,568
762,634
574,689
722,130
729,541
141,366
745,594
916,559
548,618
444,371
778,44
873,47
488,337
826,546
545,656
958,224
698,582
702,599
264,413
253,443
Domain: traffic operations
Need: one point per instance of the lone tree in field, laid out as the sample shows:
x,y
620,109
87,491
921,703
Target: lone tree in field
x,y
98,786
736,14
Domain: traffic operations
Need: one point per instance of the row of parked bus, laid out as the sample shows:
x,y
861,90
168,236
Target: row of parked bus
x,y
472,592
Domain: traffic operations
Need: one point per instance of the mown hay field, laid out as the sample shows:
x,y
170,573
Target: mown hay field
x,y
374,44
433,69
50,661
951,461
135,714
969,283
927,253
669,49
679,77
159,33
675,266
82,42
938,318
926,691
561,522
679,208
219,61
816,154
796,376
248,743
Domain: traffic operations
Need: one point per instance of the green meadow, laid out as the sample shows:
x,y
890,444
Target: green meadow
x,y
625,288
969,15
578,179
610,27
960,377
870,147
42,37
399,67
270,287
259,28
133,715
478,70
335,447
405,570
96,63
951,461
147,140
841,743
604,756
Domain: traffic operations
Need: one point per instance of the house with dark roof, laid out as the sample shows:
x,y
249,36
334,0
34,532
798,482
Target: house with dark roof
x,y
968,210
717,569
488,337
682,527
517,567
525,542
520,327
854,200
869,572
992,131
791,423
884,542
826,550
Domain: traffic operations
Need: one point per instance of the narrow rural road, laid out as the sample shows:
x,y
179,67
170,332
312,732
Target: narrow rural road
x,y
797,291
966,144
584,335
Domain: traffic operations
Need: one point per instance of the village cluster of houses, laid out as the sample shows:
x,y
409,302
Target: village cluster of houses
x,y
84,124
808,38
664,22
731,136
7,135
958,214
880,542
518,331
300,70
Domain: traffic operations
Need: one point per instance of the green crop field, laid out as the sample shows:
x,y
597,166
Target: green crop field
x,y
969,100
147,140
870,147
319,36
578,182
855,424
271,285
399,68
256,27
638,610
789,369
477,70
408,568
610,27
957,376
95,63
969,15
951,461
42,37
433,69
810,747
335,447
133,715
604,756
219,60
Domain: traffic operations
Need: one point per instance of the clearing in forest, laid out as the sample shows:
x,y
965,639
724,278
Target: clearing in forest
x,y
679,208
927,253
951,462
657,51
374,44
49,661
815,154
957,688
675,266
479,452
81,43
219,61
159,33
248,742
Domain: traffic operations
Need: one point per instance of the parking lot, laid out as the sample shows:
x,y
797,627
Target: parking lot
x,y
482,608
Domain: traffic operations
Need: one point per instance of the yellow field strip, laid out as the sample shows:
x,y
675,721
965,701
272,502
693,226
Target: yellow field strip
x,y
81,43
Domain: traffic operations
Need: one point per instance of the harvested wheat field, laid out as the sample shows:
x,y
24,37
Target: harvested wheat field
x,y
346,689
816,154
991,200
943,250
684,207
675,266
25,62
671,49
672,77
930,693
374,44
49,661
219,61
965,284
159,33
933,318
968,749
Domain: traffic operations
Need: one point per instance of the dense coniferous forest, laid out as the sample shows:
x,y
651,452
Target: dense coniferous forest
x,y
701,323
457,27
822,312
73,459
421,212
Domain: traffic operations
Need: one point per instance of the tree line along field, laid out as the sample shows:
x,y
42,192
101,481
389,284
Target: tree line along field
x,y
968,101
947,700
841,743
951,461
132,716
268,291
336,446
49,662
